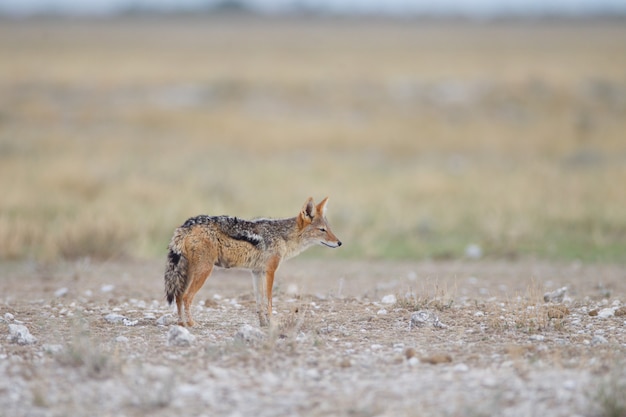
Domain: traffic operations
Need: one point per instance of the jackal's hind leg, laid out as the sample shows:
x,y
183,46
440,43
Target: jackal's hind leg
x,y
179,308
198,277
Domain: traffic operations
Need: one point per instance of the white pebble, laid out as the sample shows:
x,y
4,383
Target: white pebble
x,y
21,335
605,313
473,251
61,292
114,318
179,336
107,288
389,299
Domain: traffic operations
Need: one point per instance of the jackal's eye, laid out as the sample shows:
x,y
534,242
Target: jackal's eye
x,y
322,229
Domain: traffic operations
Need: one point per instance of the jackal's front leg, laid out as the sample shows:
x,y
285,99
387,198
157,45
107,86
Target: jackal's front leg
x,y
259,295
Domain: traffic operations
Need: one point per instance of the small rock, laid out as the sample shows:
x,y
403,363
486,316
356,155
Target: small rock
x,y
423,317
593,312
389,299
247,333
605,313
163,320
179,336
121,339
599,340
107,288
8,317
537,337
555,296
479,314
473,251
21,335
381,312
414,361
61,292
114,318
437,358
620,311
128,322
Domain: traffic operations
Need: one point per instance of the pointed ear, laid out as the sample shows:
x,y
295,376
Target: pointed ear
x,y
308,211
321,207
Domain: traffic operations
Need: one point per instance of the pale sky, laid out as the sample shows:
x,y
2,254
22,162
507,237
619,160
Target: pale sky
x,y
398,7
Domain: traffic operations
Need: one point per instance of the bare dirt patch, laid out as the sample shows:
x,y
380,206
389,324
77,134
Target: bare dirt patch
x,y
350,338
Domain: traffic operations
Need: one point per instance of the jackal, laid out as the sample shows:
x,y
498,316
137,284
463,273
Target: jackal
x,y
259,245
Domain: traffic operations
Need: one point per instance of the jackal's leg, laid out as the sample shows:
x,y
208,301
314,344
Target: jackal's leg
x,y
269,283
179,307
197,278
259,295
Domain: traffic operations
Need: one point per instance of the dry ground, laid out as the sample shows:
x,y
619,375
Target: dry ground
x,y
339,347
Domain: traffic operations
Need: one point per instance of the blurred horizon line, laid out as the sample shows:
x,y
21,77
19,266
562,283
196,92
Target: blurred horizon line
x,y
476,9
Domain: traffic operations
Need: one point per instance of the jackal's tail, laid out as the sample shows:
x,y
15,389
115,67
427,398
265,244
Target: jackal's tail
x,y
176,267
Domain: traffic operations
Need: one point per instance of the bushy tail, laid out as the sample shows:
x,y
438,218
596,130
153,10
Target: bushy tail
x,y
176,267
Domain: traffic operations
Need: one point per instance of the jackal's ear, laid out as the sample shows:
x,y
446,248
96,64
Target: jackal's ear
x,y
307,213
321,207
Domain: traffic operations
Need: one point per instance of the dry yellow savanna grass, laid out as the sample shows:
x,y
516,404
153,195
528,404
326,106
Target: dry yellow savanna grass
x,y
427,136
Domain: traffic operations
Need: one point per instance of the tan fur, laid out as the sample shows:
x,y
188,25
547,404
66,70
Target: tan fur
x,y
260,245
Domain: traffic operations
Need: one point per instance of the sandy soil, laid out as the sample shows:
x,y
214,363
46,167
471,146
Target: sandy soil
x,y
343,341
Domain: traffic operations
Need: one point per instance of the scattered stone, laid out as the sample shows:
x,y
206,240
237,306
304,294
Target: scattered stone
x,y
605,313
381,312
555,296
107,288
128,322
414,361
593,312
115,318
537,337
437,358
423,318
460,367
599,340
473,251
479,314
163,320
121,339
389,299
247,333
558,311
179,336
620,311
8,317
21,335
61,292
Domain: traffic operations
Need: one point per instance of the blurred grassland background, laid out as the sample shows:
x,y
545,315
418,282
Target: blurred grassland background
x,y
428,136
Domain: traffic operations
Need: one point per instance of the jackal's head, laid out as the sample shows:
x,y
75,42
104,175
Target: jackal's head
x,y
314,228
